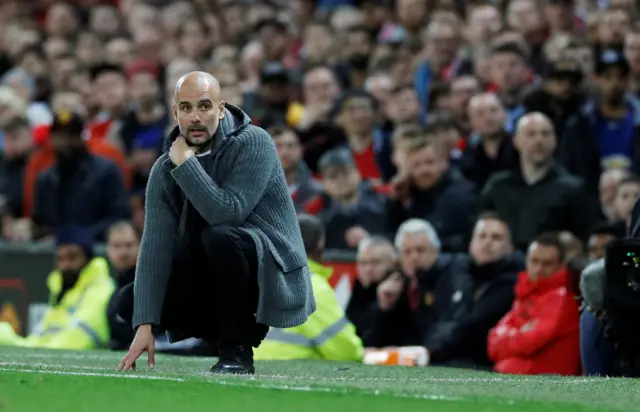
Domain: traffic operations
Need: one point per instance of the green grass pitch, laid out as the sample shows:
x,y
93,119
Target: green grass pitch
x,y
40,380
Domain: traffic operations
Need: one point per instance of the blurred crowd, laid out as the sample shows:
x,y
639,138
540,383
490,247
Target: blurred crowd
x,y
476,155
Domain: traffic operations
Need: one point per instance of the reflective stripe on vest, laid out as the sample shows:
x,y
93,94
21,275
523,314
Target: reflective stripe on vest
x,y
281,335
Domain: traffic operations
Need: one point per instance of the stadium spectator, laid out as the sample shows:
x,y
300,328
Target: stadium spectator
x,y
560,96
350,209
607,188
432,190
302,186
376,259
600,237
489,148
18,144
473,297
540,196
627,193
540,334
80,188
123,244
604,134
327,334
79,288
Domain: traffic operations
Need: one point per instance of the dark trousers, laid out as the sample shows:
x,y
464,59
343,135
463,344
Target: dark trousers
x,y
212,295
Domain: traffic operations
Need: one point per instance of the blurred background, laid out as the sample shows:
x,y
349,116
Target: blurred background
x,y
428,136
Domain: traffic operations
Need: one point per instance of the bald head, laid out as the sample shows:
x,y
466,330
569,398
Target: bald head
x,y
532,120
198,82
535,139
198,108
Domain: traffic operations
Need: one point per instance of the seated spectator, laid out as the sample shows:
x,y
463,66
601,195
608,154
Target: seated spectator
x,y
13,159
375,260
393,319
79,288
539,196
355,112
600,236
81,188
43,158
540,334
604,133
433,191
444,130
302,187
560,95
473,298
327,333
123,244
607,188
489,147
351,209
145,149
627,193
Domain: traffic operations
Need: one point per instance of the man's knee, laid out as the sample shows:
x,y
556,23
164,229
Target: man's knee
x,y
124,303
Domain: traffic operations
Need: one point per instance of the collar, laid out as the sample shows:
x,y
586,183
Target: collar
x,y
318,269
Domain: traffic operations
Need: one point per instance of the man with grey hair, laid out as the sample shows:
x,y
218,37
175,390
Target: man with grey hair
x,y
540,196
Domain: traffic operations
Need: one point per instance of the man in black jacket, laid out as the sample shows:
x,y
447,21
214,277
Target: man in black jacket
x,y
434,191
474,296
80,189
541,196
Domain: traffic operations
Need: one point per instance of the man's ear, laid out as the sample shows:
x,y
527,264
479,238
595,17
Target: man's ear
x,y
221,106
174,110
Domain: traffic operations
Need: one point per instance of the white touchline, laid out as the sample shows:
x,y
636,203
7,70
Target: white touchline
x,y
103,375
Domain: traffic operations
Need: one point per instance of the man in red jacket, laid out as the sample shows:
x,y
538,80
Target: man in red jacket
x,y
540,335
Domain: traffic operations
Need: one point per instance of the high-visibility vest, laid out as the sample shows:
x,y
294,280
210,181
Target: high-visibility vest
x,y
327,333
79,320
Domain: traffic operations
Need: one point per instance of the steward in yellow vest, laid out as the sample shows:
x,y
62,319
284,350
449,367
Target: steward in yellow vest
x,y
79,291
327,334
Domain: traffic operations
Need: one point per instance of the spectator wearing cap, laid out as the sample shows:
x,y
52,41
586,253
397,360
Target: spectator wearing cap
x,y
430,189
605,133
80,189
18,144
489,147
79,290
560,96
350,209
271,104
148,118
355,113
302,186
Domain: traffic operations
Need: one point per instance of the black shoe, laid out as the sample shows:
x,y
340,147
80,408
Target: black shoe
x,y
235,360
